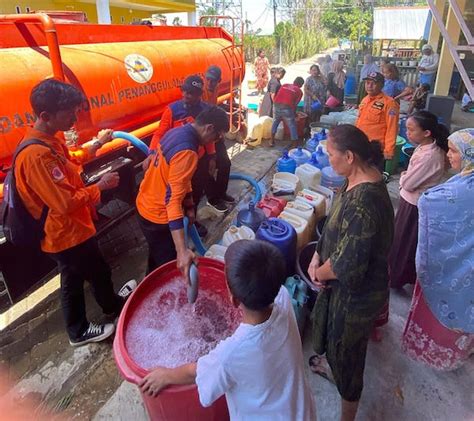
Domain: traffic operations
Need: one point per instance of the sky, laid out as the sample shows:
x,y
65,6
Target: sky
x,y
259,12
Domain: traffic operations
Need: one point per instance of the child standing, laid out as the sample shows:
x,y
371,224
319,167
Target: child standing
x,y
425,170
260,367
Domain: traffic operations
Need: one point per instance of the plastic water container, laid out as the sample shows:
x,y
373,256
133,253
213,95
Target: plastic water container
x,y
251,217
331,179
271,206
315,199
283,236
300,225
402,127
298,291
309,175
237,233
312,143
322,157
300,155
285,182
266,122
328,195
217,252
350,85
304,210
280,133
256,134
174,401
285,163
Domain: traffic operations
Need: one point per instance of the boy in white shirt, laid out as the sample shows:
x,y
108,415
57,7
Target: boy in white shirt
x,y
260,367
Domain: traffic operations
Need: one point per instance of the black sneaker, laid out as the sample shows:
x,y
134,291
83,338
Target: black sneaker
x,y
228,199
218,205
201,229
94,333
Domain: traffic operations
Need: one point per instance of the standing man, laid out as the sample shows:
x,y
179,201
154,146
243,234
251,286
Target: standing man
x,y
165,195
378,116
216,187
284,108
428,65
178,114
47,181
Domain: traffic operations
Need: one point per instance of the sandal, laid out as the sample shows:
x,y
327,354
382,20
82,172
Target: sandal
x,y
316,365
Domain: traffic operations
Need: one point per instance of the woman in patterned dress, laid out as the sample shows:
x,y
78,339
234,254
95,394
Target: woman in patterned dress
x,y
314,89
350,265
440,327
261,66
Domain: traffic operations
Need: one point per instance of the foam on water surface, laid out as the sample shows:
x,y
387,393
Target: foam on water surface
x,y
168,331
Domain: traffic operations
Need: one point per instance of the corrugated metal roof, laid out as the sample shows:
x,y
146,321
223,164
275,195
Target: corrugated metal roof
x,y
400,22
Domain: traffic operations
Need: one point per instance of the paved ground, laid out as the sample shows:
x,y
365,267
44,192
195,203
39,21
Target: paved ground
x,y
84,383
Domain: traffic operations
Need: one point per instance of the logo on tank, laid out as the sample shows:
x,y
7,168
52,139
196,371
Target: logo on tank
x,y
139,68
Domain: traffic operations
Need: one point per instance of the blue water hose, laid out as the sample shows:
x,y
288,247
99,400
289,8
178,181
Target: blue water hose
x,y
135,141
200,248
193,233
258,191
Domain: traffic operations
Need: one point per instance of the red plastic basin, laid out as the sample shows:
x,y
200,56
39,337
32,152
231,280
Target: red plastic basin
x,y
175,403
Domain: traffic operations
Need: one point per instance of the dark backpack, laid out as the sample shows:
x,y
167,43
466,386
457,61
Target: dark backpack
x,y
19,227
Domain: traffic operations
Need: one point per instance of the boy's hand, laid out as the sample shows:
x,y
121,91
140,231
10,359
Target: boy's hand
x,y
155,382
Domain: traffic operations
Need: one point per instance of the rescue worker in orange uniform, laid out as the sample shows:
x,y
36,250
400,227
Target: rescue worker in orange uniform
x,y
165,194
178,114
46,177
216,187
378,115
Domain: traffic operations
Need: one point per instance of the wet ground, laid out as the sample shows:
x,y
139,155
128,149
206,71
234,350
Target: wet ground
x,y
84,383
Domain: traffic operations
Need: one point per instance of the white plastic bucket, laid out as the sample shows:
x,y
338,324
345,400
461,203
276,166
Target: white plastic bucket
x,y
237,233
286,181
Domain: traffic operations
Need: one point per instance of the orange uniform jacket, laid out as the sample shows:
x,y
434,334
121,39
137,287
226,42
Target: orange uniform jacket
x,y
210,96
51,179
178,114
378,119
167,182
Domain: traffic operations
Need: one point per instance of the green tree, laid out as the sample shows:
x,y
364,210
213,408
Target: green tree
x,y
345,20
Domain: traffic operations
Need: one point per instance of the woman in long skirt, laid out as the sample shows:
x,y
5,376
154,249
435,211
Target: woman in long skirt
x,y
426,169
440,327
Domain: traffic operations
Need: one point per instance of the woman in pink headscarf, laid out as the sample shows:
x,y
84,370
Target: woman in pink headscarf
x,y
336,81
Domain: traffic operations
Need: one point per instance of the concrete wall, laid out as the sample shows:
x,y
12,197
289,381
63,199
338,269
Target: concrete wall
x,y
119,14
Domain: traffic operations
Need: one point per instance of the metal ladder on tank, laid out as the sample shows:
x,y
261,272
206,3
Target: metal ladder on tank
x,y
235,57
454,49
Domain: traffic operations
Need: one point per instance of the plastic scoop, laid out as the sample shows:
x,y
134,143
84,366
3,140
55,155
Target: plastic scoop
x,y
193,286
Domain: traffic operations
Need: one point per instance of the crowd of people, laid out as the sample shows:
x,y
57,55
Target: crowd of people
x,y
364,248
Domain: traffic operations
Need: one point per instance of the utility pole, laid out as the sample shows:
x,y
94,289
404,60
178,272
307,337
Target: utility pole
x,y
274,15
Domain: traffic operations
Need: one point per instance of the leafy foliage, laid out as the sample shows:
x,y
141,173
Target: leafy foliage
x,y
349,23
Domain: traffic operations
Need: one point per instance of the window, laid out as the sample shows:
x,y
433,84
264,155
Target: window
x,y
18,9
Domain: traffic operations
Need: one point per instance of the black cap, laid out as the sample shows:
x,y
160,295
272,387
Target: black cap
x,y
376,77
193,84
214,73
